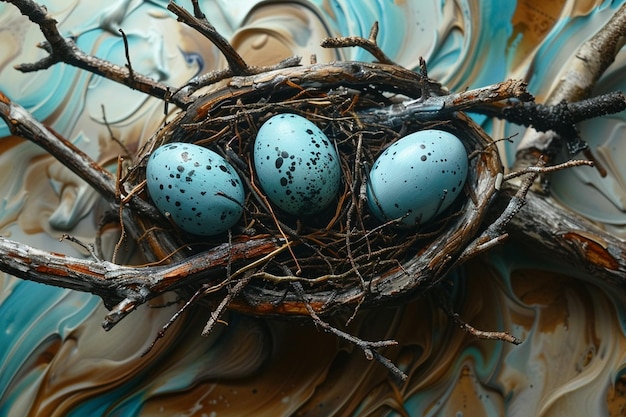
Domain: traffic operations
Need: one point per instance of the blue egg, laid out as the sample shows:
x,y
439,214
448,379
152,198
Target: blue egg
x,y
417,177
297,165
199,189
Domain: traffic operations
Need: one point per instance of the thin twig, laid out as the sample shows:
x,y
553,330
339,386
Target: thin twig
x,y
368,44
233,292
544,170
129,65
368,348
62,49
192,300
235,62
484,334
89,247
495,234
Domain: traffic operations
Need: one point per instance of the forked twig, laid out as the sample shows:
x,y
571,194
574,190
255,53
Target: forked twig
x,y
62,49
236,63
369,44
368,348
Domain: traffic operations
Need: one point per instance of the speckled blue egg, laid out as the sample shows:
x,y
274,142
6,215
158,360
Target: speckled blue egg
x,y
417,177
199,189
296,164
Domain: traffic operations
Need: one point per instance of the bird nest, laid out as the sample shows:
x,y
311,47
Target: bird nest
x,y
343,256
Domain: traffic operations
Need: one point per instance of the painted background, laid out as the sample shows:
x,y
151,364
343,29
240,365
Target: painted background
x,y
55,359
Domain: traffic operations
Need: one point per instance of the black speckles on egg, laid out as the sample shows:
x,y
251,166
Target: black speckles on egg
x,y
203,183
430,167
310,180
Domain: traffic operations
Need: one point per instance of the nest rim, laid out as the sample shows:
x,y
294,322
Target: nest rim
x,y
413,275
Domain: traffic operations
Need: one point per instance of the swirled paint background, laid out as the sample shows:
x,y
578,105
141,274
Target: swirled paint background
x,y
55,359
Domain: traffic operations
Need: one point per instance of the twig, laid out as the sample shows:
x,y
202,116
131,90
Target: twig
x,y
368,348
89,247
62,49
161,333
129,65
112,135
494,234
544,169
230,296
483,334
368,44
21,123
235,62
216,76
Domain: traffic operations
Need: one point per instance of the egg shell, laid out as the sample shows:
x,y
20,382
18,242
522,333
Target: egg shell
x,y
199,189
417,177
296,164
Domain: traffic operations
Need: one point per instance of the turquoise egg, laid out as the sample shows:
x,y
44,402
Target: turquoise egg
x,y
417,177
297,165
198,188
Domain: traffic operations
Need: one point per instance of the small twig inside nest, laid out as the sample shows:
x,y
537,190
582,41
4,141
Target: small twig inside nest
x,y
369,348
369,44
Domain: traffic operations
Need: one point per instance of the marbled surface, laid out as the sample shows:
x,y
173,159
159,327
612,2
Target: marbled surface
x,y
55,359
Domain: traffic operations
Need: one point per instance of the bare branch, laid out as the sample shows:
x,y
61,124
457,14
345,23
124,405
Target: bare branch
x,y
368,44
368,348
235,62
584,70
65,50
21,123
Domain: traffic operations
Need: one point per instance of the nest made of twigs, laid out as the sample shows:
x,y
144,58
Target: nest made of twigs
x,y
343,255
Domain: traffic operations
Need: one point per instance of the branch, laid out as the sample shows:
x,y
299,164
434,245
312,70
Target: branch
x,y
21,123
484,334
116,283
560,118
369,44
235,62
439,106
584,70
62,49
369,348
543,225
495,234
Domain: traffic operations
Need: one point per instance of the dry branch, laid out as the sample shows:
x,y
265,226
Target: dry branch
x,y
22,124
62,49
583,72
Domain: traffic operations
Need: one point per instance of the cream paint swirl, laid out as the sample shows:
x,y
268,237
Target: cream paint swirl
x,y
56,360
